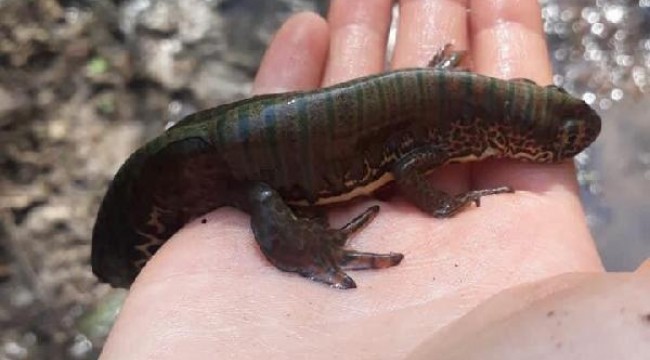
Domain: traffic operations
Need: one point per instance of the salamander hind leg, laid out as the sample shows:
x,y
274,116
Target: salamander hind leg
x,y
309,248
410,176
315,214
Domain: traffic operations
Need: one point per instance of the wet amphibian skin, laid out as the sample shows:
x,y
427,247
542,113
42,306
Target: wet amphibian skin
x,y
275,156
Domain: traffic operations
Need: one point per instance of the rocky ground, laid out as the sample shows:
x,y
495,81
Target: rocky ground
x,y
83,82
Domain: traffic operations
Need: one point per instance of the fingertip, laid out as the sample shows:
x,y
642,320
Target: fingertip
x,y
296,56
359,31
524,12
425,27
508,41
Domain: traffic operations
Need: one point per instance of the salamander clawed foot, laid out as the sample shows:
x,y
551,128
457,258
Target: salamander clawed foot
x,y
317,252
310,248
410,173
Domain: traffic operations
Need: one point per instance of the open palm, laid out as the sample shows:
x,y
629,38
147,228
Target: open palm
x,y
209,292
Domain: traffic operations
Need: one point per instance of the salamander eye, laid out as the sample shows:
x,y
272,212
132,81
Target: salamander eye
x,y
571,132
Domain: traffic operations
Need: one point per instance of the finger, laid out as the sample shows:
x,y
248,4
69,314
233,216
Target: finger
x,y
508,42
507,39
296,57
358,31
425,26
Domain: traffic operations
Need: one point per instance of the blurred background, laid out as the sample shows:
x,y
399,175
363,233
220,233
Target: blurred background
x,y
84,82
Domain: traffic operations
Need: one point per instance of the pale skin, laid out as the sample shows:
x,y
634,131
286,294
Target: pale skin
x,y
210,293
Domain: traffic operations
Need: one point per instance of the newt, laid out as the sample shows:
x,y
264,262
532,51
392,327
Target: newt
x,y
273,156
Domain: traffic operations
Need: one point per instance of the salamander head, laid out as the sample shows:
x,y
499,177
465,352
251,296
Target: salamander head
x,y
567,126
578,126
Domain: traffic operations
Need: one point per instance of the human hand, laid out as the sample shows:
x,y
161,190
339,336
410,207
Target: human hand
x,y
209,292
569,316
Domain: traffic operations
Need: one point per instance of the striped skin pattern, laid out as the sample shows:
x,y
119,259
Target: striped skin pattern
x,y
271,153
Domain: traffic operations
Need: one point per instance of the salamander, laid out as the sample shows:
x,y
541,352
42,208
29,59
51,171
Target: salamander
x,y
274,156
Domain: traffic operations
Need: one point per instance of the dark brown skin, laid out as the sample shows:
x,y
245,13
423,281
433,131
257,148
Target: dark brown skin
x,y
314,147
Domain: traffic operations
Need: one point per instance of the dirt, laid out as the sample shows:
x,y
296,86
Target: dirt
x,y
61,136
82,84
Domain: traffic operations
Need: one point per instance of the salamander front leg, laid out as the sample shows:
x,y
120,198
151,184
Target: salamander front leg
x,y
410,175
308,248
